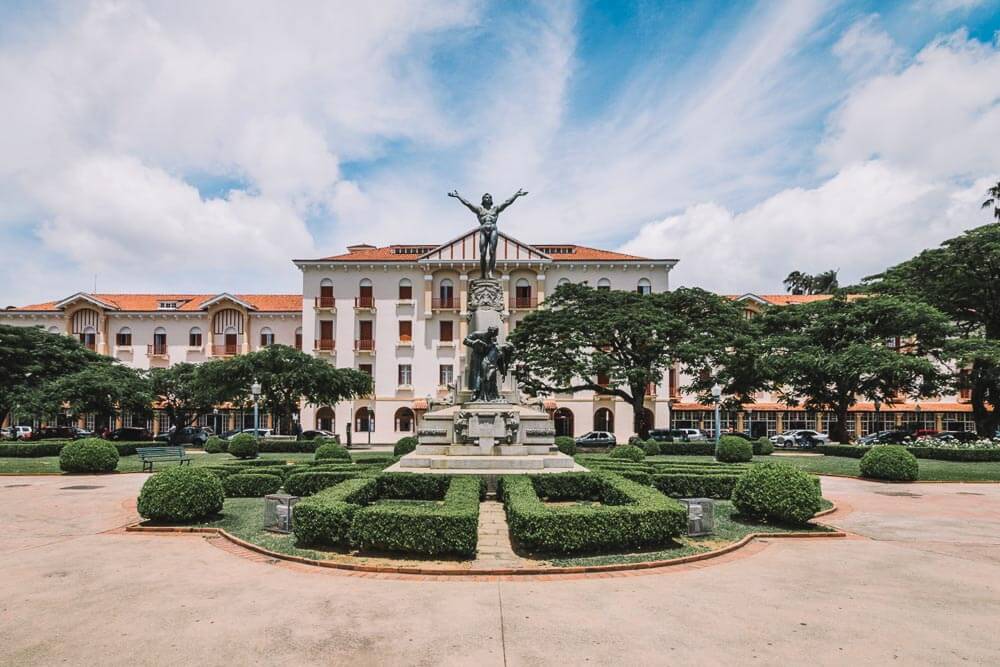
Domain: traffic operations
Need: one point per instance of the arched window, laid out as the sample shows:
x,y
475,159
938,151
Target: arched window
x,y
194,337
562,281
604,420
124,337
446,294
298,338
604,284
366,299
364,420
563,418
404,420
325,419
160,341
54,329
405,290
325,294
647,423
88,337
644,286
522,293
266,337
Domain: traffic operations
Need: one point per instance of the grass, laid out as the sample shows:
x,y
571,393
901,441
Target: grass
x,y
728,529
50,464
930,470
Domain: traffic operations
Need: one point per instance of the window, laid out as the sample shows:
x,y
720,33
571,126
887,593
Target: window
x,y
365,297
194,337
53,329
446,295
160,341
405,331
167,305
124,337
604,284
88,338
446,331
603,380
446,374
298,340
404,420
405,375
266,337
562,281
326,299
892,342
366,369
522,294
364,420
644,287
405,290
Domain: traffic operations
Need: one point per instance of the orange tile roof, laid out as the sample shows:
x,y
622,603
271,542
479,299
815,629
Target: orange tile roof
x,y
789,299
925,406
188,302
570,253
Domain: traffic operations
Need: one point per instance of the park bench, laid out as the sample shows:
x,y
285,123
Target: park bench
x,y
149,455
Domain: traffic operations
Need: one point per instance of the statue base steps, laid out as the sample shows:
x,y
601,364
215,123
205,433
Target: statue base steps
x,y
488,465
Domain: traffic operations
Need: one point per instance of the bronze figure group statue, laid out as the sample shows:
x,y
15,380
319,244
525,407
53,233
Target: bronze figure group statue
x,y
487,214
488,364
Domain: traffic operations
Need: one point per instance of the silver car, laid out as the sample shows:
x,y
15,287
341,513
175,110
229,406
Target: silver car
x,y
800,438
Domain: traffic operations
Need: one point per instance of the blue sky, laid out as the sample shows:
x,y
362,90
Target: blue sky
x,y
199,147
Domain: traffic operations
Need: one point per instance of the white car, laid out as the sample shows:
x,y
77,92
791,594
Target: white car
x,y
692,434
800,438
18,432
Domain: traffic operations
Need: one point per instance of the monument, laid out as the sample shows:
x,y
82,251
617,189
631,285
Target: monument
x,y
486,429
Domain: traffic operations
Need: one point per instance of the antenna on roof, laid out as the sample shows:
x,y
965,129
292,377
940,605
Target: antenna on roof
x,y
95,283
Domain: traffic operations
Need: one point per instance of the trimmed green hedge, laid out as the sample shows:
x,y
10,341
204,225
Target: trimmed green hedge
x,y
630,516
695,485
777,492
30,450
215,445
733,450
706,448
88,455
932,453
287,446
449,528
404,446
325,518
243,446
181,493
310,483
566,444
251,485
889,462
763,447
331,451
628,452
651,447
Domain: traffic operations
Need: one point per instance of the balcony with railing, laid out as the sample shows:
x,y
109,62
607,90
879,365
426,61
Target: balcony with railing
x,y
364,345
325,345
157,350
523,302
226,350
364,302
325,303
444,303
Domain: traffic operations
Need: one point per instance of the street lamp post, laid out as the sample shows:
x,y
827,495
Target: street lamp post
x,y
717,397
255,390
371,424
215,421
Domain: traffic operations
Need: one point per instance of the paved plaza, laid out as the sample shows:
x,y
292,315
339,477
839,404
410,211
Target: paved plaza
x,y
918,582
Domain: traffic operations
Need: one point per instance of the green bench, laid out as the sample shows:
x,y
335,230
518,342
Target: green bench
x,y
149,455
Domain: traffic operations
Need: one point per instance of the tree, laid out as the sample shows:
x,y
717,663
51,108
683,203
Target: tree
x,y
103,388
188,391
961,279
804,283
993,200
31,357
828,354
583,336
287,376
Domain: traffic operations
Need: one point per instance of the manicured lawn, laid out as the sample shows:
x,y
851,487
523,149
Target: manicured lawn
x,y
930,470
50,464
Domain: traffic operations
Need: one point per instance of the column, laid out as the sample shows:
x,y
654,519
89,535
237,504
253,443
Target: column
x,y
740,426
505,283
246,333
540,288
939,421
819,422
857,424
102,334
779,422
428,295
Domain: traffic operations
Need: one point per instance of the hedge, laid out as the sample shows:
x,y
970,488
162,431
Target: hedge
x,y
628,452
404,446
331,451
449,528
733,450
54,447
565,444
763,447
706,448
310,483
250,485
777,492
243,446
215,445
181,493
889,462
934,453
696,485
325,518
88,455
287,446
631,515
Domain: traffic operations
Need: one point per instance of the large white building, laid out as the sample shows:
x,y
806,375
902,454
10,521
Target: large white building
x,y
399,312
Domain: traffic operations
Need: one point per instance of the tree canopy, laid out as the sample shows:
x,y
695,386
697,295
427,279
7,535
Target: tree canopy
x,y
616,343
798,282
104,388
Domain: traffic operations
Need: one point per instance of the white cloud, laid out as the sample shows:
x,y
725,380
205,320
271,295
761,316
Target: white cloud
x,y
865,49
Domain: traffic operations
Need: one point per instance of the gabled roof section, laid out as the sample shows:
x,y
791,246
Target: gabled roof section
x,y
144,303
226,296
466,248
93,299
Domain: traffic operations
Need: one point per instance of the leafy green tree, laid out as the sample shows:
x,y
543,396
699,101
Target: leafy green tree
x,y
187,391
583,335
103,388
993,200
828,354
287,375
31,357
804,283
961,279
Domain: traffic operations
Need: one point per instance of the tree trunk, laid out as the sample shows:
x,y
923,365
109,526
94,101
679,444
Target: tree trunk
x,y
986,419
638,416
838,430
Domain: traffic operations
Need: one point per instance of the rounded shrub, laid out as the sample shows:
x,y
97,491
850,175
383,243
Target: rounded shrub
x,y
733,450
181,493
651,447
628,452
215,445
777,492
88,455
404,446
566,444
250,485
332,451
243,446
763,447
889,462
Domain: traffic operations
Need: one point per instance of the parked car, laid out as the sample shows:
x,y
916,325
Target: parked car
x,y
18,433
189,435
315,434
800,438
596,439
958,436
887,438
742,436
130,434
55,433
260,433
677,435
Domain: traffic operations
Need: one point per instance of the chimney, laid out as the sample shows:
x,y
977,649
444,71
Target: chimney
x,y
359,247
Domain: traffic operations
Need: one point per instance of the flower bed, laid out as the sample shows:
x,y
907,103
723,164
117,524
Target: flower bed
x,y
927,448
630,515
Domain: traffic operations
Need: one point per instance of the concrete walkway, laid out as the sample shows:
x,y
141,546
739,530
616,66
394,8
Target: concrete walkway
x,y
920,584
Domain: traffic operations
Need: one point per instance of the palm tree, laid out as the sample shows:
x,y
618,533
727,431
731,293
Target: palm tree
x,y
994,200
803,283
798,282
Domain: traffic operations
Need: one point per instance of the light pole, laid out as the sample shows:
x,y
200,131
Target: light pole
x,y
917,409
255,390
215,421
371,424
717,397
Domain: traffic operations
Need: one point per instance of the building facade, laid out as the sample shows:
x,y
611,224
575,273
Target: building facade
x,y
400,313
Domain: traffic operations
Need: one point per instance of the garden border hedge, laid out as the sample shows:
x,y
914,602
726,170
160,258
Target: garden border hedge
x,y
34,450
632,515
932,453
